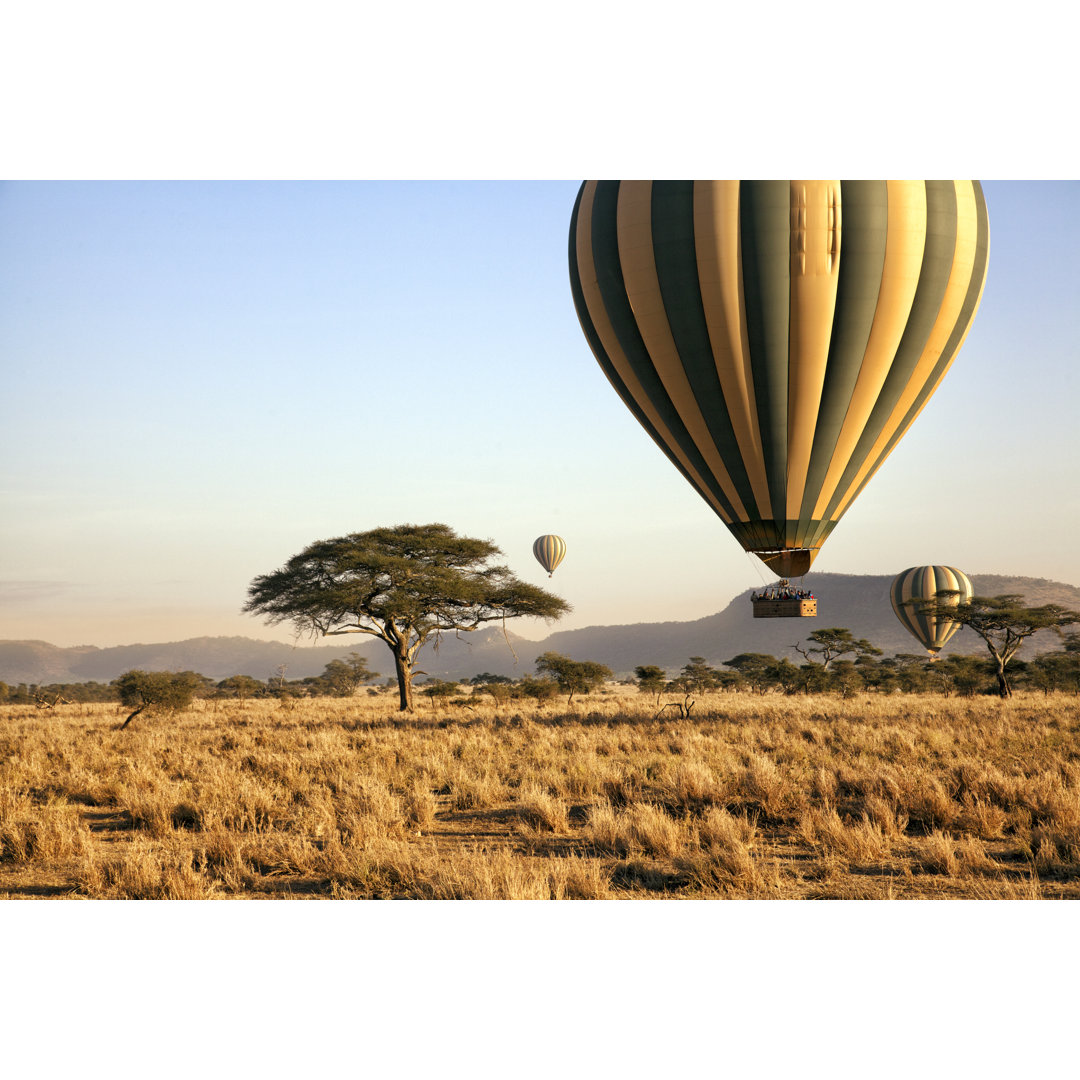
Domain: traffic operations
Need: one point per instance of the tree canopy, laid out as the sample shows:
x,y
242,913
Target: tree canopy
x,y
404,584
834,642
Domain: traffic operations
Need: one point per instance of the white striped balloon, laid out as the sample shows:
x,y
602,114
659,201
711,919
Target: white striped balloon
x,y
924,583
549,551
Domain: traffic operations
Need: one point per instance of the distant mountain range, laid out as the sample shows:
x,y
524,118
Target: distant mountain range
x,y
859,603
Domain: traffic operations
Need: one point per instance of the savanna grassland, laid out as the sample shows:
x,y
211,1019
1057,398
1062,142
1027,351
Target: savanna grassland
x,y
759,797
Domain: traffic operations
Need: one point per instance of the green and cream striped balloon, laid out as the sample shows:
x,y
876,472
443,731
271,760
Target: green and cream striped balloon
x,y
776,338
924,583
549,551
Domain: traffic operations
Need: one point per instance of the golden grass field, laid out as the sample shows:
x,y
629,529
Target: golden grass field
x,y
751,797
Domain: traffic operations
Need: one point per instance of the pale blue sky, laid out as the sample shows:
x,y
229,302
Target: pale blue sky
x,y
202,378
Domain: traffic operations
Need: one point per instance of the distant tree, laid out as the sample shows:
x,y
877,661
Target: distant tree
x,y
698,677
1003,622
912,672
500,692
21,694
756,669
241,687
876,674
959,674
440,690
404,585
791,678
342,678
833,643
540,690
846,678
650,680
1055,671
156,691
572,676
277,685
487,679
814,678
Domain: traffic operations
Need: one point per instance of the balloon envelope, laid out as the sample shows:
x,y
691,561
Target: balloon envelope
x,y
776,338
549,551
924,583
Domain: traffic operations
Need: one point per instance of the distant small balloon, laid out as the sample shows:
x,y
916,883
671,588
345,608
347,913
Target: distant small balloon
x,y
924,583
549,551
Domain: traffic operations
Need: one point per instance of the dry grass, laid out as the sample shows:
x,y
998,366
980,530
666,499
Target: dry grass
x,y
751,797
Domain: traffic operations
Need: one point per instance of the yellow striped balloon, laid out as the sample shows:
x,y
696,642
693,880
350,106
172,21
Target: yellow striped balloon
x,y
924,583
776,338
549,551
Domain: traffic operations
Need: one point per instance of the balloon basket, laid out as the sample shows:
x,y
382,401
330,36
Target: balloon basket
x,y
782,601
785,609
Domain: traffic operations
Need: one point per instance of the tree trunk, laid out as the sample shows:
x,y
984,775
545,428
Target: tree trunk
x,y
1003,682
132,717
404,679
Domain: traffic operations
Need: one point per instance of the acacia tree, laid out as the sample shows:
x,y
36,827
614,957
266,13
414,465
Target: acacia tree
x,y
572,676
342,678
1055,671
698,677
758,669
833,643
156,691
404,584
650,680
240,687
1003,622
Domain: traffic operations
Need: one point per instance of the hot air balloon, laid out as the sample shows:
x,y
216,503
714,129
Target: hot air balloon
x,y
924,583
777,338
549,551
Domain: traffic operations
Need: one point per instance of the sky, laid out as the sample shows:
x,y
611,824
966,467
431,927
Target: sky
x,y
204,377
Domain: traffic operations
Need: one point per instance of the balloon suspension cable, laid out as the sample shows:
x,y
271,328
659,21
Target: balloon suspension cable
x,y
757,566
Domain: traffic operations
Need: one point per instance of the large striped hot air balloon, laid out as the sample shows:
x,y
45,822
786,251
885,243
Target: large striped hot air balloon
x,y
924,583
549,551
776,338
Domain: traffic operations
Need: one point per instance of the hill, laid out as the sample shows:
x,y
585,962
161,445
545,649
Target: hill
x,y
215,657
860,603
